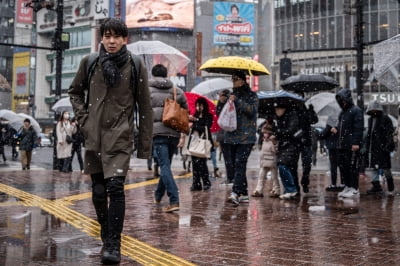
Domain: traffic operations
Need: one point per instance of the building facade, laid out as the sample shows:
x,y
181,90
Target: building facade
x,y
319,37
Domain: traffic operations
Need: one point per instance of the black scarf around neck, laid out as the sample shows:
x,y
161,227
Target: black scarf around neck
x,y
112,64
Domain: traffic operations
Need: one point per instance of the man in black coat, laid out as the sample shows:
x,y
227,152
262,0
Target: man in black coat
x,y
350,131
379,144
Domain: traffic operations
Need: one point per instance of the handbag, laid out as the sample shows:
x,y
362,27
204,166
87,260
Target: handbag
x,y
69,139
174,116
200,147
227,119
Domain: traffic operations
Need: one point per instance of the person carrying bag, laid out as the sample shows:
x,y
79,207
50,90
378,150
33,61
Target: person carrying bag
x,y
174,116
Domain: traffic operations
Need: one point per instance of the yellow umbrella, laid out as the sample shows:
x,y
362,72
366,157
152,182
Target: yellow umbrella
x,y
228,64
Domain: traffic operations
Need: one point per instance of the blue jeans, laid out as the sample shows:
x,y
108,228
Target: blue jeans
x,y
237,156
164,148
286,174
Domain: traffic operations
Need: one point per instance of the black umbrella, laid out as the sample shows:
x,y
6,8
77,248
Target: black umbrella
x,y
267,100
309,83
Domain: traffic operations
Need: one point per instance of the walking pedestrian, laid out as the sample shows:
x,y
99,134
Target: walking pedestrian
x,y
3,132
27,141
77,142
118,83
201,124
331,143
165,139
239,143
64,141
379,144
350,131
288,133
268,163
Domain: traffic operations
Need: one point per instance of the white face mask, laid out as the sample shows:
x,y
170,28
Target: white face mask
x,y
66,116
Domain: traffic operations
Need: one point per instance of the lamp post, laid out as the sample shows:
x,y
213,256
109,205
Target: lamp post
x,y
59,47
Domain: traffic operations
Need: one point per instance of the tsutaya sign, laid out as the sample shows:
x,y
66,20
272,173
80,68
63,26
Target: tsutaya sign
x,y
386,98
333,69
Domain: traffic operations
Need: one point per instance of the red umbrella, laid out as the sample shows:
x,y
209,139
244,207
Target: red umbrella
x,y
191,99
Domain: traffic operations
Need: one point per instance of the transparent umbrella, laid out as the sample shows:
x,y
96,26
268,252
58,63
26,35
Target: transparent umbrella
x,y
61,105
211,87
324,104
34,123
387,63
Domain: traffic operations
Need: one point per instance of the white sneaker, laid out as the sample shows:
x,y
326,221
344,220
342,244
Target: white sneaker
x,y
288,195
345,190
351,193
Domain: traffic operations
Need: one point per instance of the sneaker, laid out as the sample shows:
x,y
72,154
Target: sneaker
x,y
233,198
257,194
156,201
288,195
227,183
112,256
351,193
390,193
331,188
244,198
345,189
171,208
274,194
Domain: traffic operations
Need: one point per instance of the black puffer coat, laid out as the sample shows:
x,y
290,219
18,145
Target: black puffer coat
x,y
286,126
379,140
351,121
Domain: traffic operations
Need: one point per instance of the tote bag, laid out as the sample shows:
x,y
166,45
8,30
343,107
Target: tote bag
x,y
174,116
200,147
227,119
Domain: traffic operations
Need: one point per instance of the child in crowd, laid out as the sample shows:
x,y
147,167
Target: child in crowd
x,y
268,163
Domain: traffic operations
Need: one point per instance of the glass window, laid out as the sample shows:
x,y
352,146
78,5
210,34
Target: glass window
x,y
331,7
315,8
339,32
302,37
373,4
331,32
374,26
348,34
295,36
383,25
308,34
315,34
323,34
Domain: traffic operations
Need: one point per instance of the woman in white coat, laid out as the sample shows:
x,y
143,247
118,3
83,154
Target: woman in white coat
x,y
64,141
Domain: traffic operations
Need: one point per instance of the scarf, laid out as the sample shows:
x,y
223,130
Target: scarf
x,y
112,64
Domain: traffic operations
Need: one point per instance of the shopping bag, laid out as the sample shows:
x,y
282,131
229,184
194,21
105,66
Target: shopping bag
x,y
200,147
227,119
174,116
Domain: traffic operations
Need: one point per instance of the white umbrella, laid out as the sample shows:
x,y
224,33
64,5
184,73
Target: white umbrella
x,y
34,123
156,52
211,87
324,104
8,115
63,104
387,63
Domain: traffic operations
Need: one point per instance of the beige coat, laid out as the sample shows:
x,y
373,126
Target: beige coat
x,y
268,154
63,129
108,123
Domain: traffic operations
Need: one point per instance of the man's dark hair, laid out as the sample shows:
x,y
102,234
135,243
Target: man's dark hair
x,y
27,120
114,26
159,71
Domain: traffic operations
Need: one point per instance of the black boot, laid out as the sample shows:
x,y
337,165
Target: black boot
x,y
390,185
100,203
376,188
156,172
216,172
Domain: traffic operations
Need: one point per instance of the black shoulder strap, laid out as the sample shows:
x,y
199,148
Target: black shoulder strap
x,y
135,81
91,65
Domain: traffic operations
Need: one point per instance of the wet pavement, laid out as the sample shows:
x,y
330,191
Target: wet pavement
x,y
47,218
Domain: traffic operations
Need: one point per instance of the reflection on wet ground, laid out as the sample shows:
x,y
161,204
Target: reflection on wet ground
x,y
47,218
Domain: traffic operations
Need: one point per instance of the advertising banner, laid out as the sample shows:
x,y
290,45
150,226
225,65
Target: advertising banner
x,y
20,83
160,15
233,24
24,14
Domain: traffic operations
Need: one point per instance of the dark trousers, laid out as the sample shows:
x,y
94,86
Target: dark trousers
x,y
78,151
306,160
333,165
237,156
200,172
110,216
230,172
65,164
349,166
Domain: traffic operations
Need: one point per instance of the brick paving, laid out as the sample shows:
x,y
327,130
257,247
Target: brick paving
x,y
317,229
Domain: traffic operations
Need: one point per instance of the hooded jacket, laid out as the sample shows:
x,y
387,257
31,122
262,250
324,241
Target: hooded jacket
x,y
351,121
379,140
108,123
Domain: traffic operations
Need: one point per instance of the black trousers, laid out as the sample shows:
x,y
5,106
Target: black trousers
x,y
349,165
108,198
200,172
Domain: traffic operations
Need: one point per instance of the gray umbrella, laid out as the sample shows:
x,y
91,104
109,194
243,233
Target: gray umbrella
x,y
309,83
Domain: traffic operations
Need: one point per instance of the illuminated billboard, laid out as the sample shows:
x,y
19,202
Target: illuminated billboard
x,y
160,15
233,24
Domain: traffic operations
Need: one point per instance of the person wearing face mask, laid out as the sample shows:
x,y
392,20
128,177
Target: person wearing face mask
x,y
64,149
379,144
350,132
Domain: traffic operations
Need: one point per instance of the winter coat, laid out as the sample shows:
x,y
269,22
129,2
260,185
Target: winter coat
x,y
379,141
161,89
286,127
268,154
108,121
351,121
28,138
331,140
307,117
64,149
246,104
